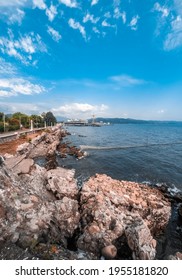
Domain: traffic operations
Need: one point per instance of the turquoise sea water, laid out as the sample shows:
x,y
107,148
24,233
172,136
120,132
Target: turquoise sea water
x,y
136,152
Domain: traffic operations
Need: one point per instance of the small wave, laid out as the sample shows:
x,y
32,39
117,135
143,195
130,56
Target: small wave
x,y
85,147
174,190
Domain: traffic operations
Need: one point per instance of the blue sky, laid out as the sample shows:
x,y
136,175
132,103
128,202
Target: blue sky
x,y
77,58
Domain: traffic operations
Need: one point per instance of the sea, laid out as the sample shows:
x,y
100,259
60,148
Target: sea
x,y
143,152
148,153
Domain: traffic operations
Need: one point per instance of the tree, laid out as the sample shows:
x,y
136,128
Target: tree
x,y
50,119
14,124
22,118
37,120
1,116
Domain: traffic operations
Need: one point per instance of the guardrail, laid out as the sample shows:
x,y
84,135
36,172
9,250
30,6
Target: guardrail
x,y
15,135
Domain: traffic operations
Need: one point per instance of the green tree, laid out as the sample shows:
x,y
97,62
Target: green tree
x,y
23,119
50,119
1,116
13,124
37,120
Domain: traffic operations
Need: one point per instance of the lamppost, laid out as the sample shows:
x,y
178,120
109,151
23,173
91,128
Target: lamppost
x,y
31,125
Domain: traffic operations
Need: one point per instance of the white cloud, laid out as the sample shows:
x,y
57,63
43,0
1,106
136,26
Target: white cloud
x,y
16,86
16,17
54,34
69,3
40,4
79,110
173,25
89,17
174,38
94,2
106,24
26,44
51,12
125,80
6,68
9,3
118,14
162,9
76,25
95,30
22,48
27,108
161,111
133,22
6,93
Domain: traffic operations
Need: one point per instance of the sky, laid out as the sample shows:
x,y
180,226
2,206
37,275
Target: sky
x,y
78,58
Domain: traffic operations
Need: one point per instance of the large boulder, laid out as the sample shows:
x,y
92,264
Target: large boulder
x,y
111,209
29,211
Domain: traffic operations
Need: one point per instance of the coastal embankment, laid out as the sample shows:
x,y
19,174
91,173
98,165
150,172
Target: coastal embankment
x,y
45,215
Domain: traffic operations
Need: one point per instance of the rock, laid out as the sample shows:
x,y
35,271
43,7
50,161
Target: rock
x,y
62,183
177,256
7,156
140,240
24,166
39,206
109,252
43,145
2,212
111,209
10,251
1,160
23,148
29,211
12,162
180,210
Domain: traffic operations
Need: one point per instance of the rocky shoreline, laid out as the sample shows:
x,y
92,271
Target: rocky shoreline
x,y
44,215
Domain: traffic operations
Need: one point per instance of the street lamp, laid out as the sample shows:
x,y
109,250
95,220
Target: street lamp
x,y
31,125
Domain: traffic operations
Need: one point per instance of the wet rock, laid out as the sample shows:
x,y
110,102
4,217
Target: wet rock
x,y
51,162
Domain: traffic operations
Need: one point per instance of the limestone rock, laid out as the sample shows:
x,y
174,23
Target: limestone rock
x,y
62,183
111,209
24,166
29,211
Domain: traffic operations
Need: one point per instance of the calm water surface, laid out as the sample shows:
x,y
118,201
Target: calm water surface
x,y
136,152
